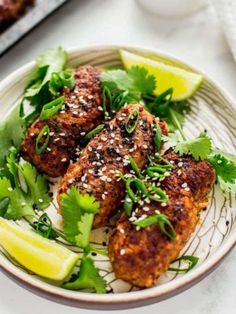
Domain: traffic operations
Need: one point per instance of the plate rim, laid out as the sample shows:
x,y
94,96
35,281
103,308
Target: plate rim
x,y
127,299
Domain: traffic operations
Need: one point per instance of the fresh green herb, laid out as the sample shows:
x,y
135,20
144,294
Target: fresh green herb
x,y
62,79
136,188
157,135
88,278
95,131
20,197
78,211
160,219
132,121
44,227
225,165
43,135
193,260
12,132
128,204
135,167
50,109
156,193
158,170
199,148
67,78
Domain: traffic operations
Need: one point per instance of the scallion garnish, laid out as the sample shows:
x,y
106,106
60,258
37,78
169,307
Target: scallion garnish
x,y
158,170
128,204
157,194
40,148
163,222
67,78
95,131
132,121
43,226
135,186
50,109
135,167
107,99
193,260
157,135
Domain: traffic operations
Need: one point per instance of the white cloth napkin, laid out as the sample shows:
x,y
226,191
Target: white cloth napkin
x,y
226,11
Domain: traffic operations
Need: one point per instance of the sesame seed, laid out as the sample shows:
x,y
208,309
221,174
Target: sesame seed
x,y
57,139
10,189
62,111
32,134
81,114
48,149
90,96
75,112
62,134
70,181
51,133
180,164
184,185
103,196
109,180
85,185
104,139
187,189
122,230
146,209
179,172
63,160
82,133
122,252
90,148
100,108
145,146
137,228
157,211
163,204
90,171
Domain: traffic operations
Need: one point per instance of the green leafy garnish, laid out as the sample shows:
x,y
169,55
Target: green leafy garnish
x,y
50,109
160,219
199,148
42,140
78,211
12,132
43,226
193,260
135,167
132,121
95,131
225,166
88,278
20,197
156,135
128,204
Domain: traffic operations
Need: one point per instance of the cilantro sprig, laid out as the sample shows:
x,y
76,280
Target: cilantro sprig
x,y
78,211
19,198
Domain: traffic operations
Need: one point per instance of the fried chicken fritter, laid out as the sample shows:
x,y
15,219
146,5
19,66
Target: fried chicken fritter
x,y
81,114
96,171
141,256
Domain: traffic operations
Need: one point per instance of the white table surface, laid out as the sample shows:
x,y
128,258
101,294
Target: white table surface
x,y
197,39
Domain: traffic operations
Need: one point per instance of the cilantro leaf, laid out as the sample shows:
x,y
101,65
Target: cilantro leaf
x,y
37,186
18,206
225,166
84,229
78,211
88,278
12,132
143,82
199,148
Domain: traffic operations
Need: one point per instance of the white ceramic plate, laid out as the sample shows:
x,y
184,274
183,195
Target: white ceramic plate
x,y
214,236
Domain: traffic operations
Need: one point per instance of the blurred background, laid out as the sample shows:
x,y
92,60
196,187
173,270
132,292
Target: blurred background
x,y
198,31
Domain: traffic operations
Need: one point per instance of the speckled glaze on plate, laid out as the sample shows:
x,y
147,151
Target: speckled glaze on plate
x,y
215,234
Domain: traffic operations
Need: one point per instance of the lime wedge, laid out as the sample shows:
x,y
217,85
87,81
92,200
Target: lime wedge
x,y
184,83
42,256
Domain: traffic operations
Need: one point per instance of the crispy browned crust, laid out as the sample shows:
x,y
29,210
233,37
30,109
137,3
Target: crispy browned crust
x,y
96,171
81,114
141,256
10,10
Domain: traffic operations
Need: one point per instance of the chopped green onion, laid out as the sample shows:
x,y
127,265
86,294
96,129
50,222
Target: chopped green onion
x,y
40,148
158,171
193,260
44,227
95,131
139,187
159,194
107,98
50,109
132,121
163,222
128,205
157,135
135,167
67,78
55,83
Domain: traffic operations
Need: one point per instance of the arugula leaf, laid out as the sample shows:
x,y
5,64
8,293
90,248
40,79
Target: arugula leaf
x,y
225,166
88,278
37,186
78,211
199,148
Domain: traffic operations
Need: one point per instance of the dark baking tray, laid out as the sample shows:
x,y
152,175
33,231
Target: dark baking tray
x,y
28,21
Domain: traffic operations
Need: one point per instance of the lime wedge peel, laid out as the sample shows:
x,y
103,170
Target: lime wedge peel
x,y
44,257
184,83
